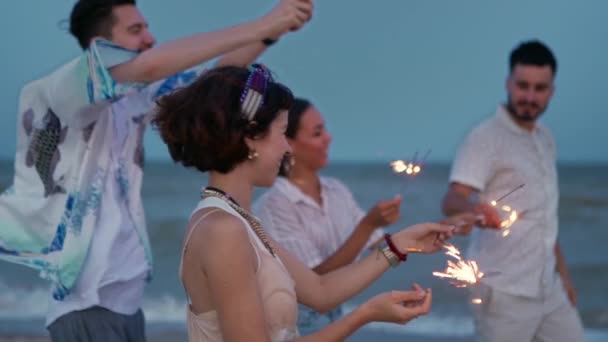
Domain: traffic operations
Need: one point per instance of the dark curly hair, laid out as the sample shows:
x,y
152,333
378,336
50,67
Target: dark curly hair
x,y
90,18
203,126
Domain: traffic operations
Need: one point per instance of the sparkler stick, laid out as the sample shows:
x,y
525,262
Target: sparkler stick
x,y
513,215
507,194
425,156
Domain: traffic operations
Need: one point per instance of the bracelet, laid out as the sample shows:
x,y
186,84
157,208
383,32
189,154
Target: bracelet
x,y
392,259
268,41
393,248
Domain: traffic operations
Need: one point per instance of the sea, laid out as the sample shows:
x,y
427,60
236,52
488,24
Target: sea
x,y
170,192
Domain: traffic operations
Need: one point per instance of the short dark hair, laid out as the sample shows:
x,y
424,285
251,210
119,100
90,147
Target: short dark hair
x,y
532,52
203,126
90,18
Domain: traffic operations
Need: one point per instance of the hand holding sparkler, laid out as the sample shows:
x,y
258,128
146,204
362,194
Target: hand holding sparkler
x,y
491,217
488,216
384,213
483,214
462,222
423,237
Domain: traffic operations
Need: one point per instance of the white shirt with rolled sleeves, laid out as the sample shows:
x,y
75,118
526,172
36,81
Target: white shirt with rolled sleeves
x,y
312,232
496,157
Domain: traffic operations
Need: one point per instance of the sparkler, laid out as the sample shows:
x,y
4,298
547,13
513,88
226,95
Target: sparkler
x,y
466,273
409,168
512,215
509,193
462,273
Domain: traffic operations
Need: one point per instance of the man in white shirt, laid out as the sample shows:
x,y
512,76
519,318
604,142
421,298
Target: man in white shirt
x,y
527,295
74,211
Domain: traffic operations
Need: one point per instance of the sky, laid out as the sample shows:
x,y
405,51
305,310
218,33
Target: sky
x,y
391,77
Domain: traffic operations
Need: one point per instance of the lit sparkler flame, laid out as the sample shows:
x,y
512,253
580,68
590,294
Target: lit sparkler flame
x,y
476,301
400,166
461,272
509,221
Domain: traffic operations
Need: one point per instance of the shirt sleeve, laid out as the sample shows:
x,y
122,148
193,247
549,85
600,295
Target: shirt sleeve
x,y
357,214
280,219
81,89
473,163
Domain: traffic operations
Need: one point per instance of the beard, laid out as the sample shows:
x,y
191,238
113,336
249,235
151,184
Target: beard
x,y
533,112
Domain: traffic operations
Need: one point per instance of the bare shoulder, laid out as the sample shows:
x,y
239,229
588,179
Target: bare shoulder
x,y
218,233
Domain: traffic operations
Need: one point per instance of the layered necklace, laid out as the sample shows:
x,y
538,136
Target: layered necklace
x,y
254,223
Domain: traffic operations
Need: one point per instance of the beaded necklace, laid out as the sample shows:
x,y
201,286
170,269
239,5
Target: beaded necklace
x,y
253,222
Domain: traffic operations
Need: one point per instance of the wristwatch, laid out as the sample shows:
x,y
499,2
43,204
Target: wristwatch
x,y
392,258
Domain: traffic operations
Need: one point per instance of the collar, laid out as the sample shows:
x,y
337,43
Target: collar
x,y
295,195
504,117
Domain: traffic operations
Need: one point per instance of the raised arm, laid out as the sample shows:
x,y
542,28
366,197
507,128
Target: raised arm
x,y
242,40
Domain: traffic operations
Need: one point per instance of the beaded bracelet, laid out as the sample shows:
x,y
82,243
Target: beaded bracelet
x,y
389,241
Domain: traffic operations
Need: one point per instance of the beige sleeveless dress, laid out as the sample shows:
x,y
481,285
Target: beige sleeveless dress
x,y
276,286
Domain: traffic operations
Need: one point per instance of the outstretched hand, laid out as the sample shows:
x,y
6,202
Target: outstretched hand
x,y
399,306
423,237
384,213
462,222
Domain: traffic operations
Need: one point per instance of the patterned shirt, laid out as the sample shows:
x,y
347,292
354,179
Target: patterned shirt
x,y
65,138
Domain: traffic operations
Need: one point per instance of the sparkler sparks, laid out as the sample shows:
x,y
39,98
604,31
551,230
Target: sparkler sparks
x,y
462,273
400,166
410,168
466,273
512,216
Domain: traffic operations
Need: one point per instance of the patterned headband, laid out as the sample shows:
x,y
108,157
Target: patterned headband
x,y
252,97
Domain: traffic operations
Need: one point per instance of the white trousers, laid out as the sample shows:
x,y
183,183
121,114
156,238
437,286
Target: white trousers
x,y
502,317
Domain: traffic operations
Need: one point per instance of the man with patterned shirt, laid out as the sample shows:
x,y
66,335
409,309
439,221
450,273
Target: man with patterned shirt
x,y
74,211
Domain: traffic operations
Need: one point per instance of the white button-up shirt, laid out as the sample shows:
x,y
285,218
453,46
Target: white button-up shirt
x,y
496,157
310,231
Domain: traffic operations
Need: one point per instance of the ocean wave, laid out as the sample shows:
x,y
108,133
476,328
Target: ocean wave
x,y
32,303
23,304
